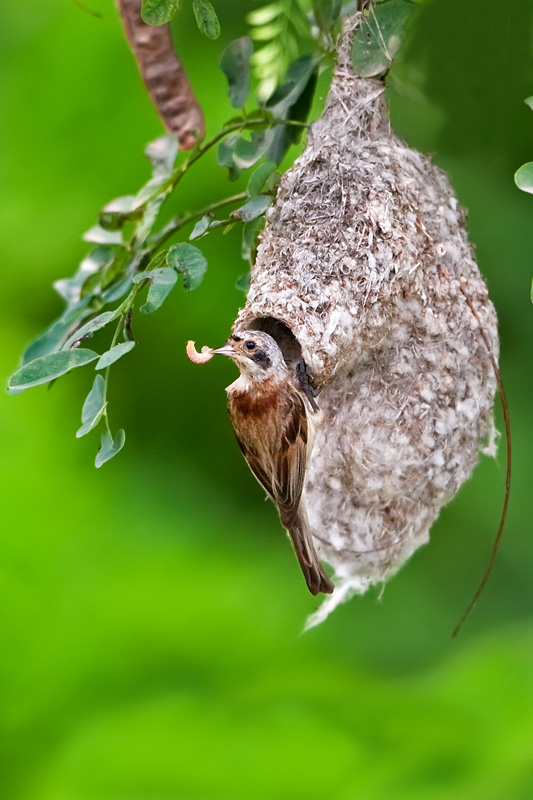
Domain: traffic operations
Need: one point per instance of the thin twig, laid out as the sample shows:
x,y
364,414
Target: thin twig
x,y
106,375
87,10
181,222
505,410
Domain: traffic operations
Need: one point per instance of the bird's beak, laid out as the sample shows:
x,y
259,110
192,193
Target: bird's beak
x,y
226,350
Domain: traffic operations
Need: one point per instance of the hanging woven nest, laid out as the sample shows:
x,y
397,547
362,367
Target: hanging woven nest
x,y
364,270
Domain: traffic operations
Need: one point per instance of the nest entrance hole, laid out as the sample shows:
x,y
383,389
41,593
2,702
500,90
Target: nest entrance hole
x,y
282,334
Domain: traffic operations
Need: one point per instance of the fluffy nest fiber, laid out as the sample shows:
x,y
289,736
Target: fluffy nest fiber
x,y
365,258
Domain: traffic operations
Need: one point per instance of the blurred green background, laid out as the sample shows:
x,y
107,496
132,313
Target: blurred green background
x,y
150,644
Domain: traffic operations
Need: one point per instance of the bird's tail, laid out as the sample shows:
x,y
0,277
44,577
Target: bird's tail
x,y
315,577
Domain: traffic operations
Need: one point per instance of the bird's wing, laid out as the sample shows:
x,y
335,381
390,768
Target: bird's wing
x,y
292,458
281,471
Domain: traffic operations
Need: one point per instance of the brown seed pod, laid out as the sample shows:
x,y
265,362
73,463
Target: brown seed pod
x,y
363,270
163,75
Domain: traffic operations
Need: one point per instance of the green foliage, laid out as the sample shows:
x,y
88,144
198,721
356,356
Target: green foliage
x,y
128,254
524,177
259,178
158,12
190,261
114,354
243,282
128,257
326,13
201,227
235,64
93,408
48,368
379,37
283,31
206,18
253,208
109,447
247,152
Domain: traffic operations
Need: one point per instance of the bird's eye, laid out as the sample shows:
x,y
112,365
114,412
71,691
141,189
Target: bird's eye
x,y
250,345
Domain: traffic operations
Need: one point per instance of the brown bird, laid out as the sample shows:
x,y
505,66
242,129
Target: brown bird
x,y
274,416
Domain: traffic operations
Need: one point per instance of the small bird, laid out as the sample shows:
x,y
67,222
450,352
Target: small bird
x,y
274,415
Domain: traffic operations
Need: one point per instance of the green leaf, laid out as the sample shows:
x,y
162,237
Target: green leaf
x,y
225,150
523,177
273,181
159,260
46,368
225,155
249,236
379,37
92,284
190,261
99,235
144,228
529,102
117,265
162,281
109,447
53,338
246,153
253,208
285,135
243,282
114,354
99,259
265,14
259,177
119,211
201,227
93,407
162,154
91,327
206,18
151,191
235,64
158,12
117,289
297,78
326,13
265,33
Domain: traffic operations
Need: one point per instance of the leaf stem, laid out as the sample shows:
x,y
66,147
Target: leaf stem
x,y
295,122
242,124
180,222
106,375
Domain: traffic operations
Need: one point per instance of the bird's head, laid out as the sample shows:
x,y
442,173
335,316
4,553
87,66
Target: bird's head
x,y
256,354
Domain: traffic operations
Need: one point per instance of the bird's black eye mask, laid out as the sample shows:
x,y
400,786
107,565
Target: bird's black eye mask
x,y
261,358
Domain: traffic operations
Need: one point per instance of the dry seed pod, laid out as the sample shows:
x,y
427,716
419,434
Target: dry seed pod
x,y
363,269
163,75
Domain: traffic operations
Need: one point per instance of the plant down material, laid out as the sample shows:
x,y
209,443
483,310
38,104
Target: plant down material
x,y
365,259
